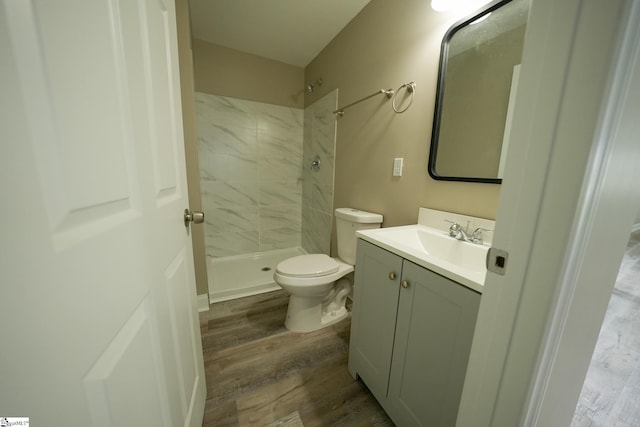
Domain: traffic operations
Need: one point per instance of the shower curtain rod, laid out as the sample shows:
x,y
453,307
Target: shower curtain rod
x,y
388,93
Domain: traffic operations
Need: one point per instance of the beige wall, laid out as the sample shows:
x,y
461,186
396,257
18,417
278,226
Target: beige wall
x,y
191,139
387,44
227,72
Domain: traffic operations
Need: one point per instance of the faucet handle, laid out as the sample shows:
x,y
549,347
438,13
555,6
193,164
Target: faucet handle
x,y
455,230
476,237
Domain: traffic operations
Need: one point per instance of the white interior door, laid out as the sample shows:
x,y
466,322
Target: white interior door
x,y
98,304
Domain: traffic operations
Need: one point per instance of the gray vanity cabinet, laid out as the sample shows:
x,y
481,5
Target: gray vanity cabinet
x,y
410,337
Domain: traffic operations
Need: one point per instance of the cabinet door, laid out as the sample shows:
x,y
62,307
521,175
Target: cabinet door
x,y
435,325
375,304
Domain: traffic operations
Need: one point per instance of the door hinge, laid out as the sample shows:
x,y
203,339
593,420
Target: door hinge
x,y
497,260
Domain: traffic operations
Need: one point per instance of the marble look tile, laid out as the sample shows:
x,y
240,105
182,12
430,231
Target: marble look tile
x,y
323,144
226,111
250,155
278,193
281,144
223,139
212,165
230,243
220,166
318,185
316,226
324,126
324,176
280,238
220,220
280,169
272,217
322,198
281,119
307,126
229,194
280,156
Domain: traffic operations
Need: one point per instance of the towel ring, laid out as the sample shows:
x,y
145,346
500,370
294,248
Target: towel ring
x,y
411,88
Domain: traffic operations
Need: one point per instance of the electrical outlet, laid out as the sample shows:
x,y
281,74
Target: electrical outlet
x,y
397,166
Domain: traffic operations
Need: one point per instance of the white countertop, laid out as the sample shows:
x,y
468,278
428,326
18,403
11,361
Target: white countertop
x,y
387,238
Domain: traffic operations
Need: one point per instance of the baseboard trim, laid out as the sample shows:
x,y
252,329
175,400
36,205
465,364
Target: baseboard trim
x,y
203,303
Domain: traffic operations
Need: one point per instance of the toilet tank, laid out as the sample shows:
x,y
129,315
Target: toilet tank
x,y
348,221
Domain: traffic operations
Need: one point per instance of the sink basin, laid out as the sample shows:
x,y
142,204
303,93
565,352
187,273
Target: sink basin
x,y
434,249
439,244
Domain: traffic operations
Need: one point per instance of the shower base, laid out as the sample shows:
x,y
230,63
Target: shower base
x,y
243,275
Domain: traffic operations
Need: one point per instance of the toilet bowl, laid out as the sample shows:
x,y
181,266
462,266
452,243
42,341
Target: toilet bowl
x,y
318,284
316,299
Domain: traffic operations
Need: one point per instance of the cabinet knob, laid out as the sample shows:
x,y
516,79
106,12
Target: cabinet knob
x,y
405,284
392,276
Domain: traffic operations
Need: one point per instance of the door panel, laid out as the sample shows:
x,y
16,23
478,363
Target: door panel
x,y
132,354
163,127
182,329
104,196
97,270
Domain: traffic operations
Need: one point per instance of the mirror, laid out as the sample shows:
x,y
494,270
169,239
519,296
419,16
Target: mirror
x,y
479,65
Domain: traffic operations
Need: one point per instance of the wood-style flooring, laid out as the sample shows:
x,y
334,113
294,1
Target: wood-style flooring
x,y
611,391
260,374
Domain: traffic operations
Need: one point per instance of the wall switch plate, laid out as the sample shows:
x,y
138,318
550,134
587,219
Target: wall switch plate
x,y
397,166
497,260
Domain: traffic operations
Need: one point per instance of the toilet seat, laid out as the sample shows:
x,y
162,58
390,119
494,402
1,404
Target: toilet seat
x,y
310,265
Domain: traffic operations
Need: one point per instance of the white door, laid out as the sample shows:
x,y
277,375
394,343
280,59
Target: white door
x,y
98,321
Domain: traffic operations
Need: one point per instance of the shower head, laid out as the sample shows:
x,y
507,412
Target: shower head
x,y
309,88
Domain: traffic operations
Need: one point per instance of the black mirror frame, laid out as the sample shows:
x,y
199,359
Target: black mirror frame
x,y
437,114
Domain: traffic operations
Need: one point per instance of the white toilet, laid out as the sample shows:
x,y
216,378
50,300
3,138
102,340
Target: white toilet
x,y
319,284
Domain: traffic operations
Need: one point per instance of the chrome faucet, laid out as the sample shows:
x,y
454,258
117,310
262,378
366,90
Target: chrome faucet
x,y
457,232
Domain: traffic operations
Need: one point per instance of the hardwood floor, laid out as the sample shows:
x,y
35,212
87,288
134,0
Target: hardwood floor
x,y
611,392
260,374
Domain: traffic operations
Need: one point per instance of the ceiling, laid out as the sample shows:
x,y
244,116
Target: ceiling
x,y
290,31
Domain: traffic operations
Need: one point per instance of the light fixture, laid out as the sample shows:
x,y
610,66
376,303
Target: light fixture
x,y
444,5
456,5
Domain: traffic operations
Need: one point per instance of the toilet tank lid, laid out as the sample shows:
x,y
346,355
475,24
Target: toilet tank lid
x,y
358,216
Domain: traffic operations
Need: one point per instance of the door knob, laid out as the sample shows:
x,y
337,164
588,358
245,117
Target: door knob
x,y
405,284
197,217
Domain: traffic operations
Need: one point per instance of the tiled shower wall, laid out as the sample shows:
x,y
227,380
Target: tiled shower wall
x,y
258,190
251,174
317,200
